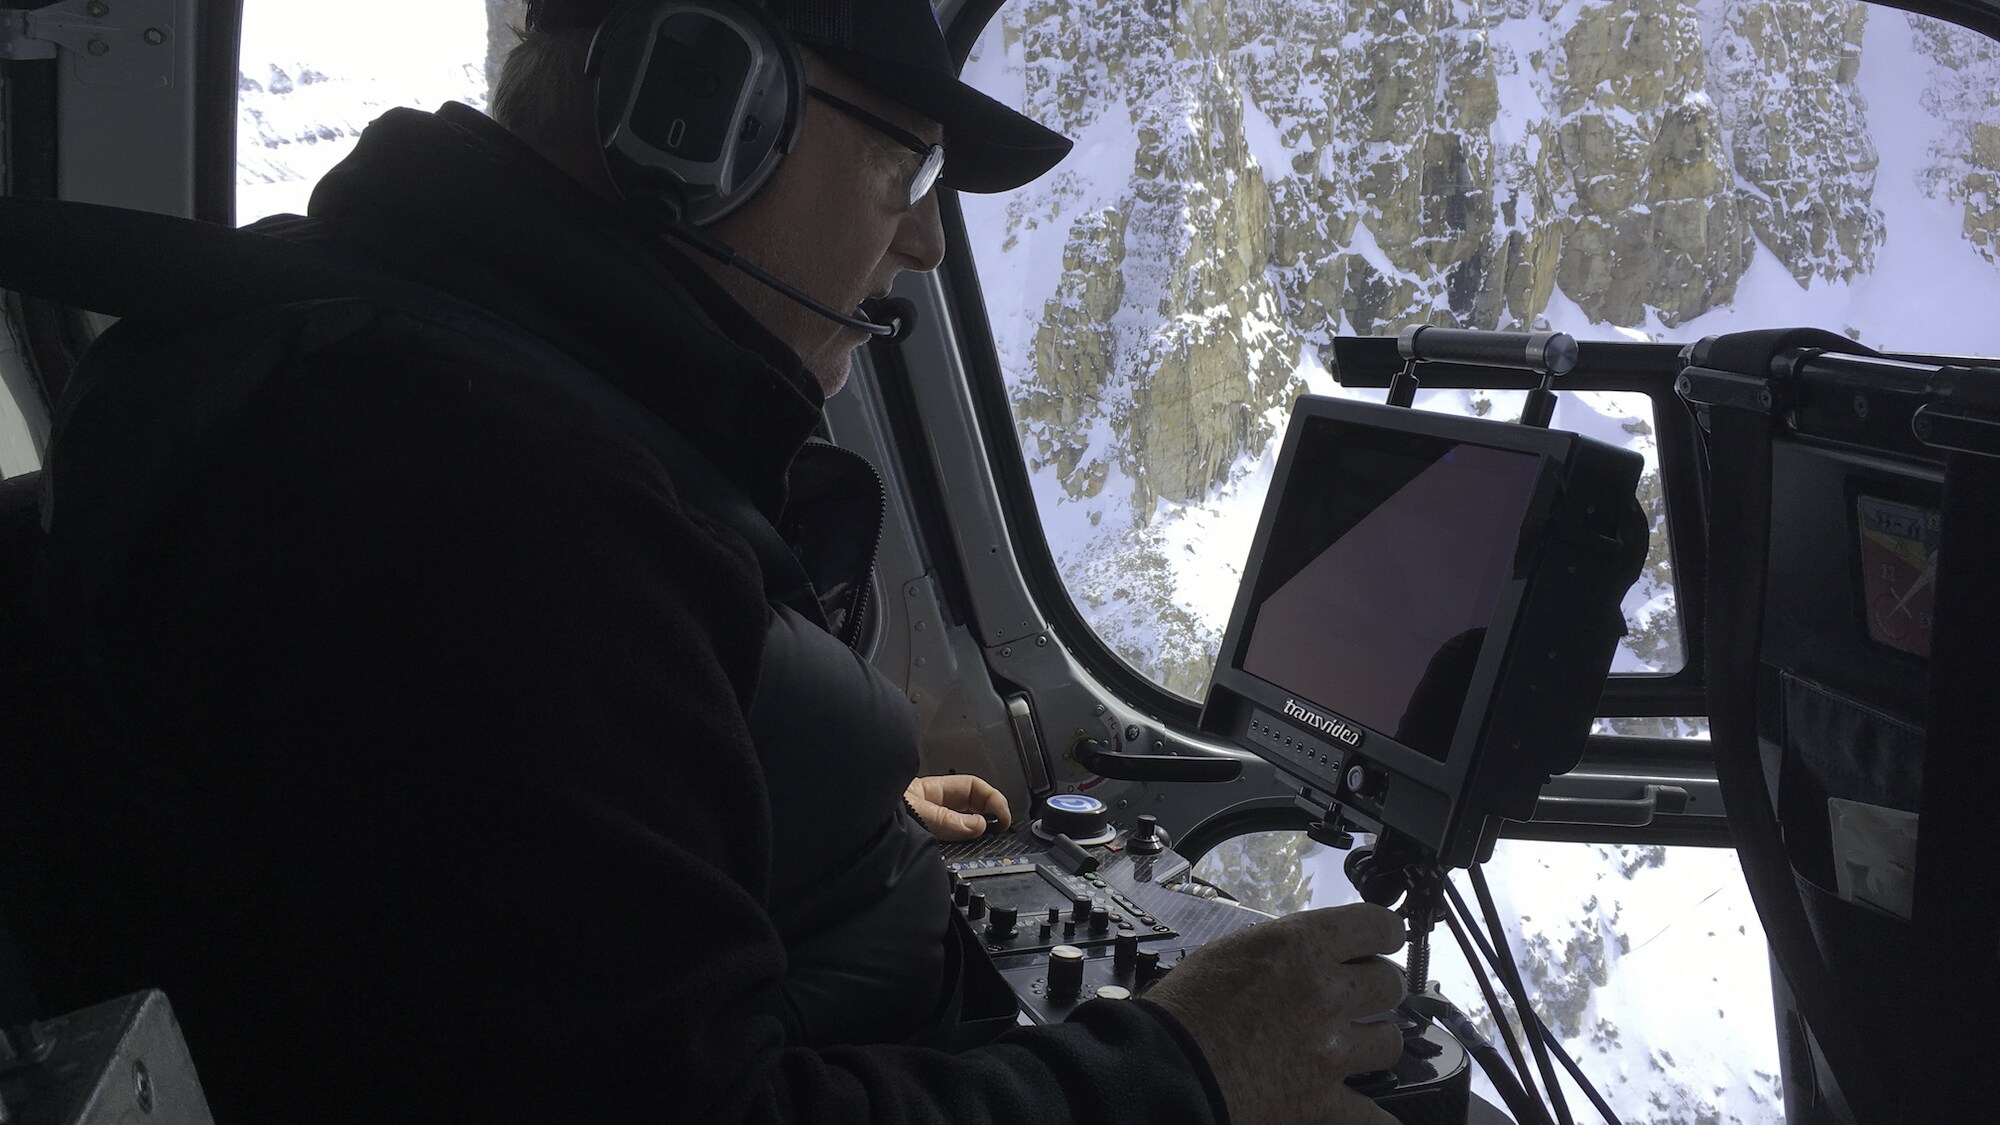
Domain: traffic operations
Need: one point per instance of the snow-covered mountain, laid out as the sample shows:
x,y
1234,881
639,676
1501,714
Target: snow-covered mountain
x,y
1253,178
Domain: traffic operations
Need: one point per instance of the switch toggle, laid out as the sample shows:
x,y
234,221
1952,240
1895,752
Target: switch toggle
x,y
1147,839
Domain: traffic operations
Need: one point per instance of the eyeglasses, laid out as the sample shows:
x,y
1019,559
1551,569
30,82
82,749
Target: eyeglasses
x,y
927,173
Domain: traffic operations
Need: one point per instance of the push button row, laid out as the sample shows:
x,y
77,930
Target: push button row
x,y
1303,746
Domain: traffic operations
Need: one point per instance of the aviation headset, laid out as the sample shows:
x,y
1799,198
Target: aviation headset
x,y
697,103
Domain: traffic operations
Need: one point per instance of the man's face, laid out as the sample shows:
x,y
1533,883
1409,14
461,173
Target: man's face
x,y
836,222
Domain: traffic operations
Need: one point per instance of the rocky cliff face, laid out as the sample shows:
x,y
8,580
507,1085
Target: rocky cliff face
x,y
1440,161
1164,343
1654,223
1965,91
1782,73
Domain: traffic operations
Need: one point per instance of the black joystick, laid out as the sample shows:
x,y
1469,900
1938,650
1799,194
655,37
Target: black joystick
x,y
1081,818
1147,839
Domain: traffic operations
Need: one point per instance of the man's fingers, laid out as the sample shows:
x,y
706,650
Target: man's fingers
x,y
1379,986
1348,1106
1357,930
965,793
994,803
1370,1047
954,827
951,827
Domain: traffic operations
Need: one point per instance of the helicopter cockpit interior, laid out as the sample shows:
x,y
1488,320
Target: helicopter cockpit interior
x,y
1529,465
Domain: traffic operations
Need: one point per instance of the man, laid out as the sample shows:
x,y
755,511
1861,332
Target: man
x,y
469,616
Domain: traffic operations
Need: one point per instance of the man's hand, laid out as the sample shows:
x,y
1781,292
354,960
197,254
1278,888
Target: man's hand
x,y
955,807
1273,1009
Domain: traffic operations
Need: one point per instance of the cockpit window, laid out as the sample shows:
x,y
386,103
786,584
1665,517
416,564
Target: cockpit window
x,y
1647,961
17,451
311,77
1252,179
22,419
17,444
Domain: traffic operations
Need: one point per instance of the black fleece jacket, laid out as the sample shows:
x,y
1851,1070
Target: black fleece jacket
x,y
426,788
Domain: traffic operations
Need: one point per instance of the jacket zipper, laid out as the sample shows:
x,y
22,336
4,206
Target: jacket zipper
x,y
850,633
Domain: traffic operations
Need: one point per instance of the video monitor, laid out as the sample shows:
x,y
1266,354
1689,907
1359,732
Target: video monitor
x,y
1428,613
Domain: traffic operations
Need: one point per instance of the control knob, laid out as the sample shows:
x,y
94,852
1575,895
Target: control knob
x,y
1002,923
1364,782
1082,818
1147,969
1065,973
976,909
1079,908
1100,919
1125,948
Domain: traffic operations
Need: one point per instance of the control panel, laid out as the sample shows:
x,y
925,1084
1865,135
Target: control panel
x,y
1067,922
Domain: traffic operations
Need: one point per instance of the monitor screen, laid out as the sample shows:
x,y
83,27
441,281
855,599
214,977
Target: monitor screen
x,y
1375,592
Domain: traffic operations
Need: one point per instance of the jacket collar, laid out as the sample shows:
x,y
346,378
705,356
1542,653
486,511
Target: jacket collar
x,y
454,201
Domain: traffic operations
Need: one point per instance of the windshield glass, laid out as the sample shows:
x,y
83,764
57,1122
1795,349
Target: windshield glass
x,y
1253,178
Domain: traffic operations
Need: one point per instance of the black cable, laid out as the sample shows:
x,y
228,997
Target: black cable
x,y
1526,1110
1511,974
1492,1000
1590,1091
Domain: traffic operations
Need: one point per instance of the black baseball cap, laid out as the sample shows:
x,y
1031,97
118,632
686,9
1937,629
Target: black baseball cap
x,y
897,49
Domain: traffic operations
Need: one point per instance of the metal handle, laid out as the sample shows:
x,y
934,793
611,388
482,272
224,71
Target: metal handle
x,y
1626,812
1546,353
1100,759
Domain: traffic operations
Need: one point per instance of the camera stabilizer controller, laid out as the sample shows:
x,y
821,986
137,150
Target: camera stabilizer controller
x,y
1067,922
1425,622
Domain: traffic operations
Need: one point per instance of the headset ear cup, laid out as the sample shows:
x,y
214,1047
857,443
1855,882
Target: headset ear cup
x,y
697,103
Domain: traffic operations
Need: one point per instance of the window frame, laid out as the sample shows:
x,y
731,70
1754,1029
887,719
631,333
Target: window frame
x,y
966,302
